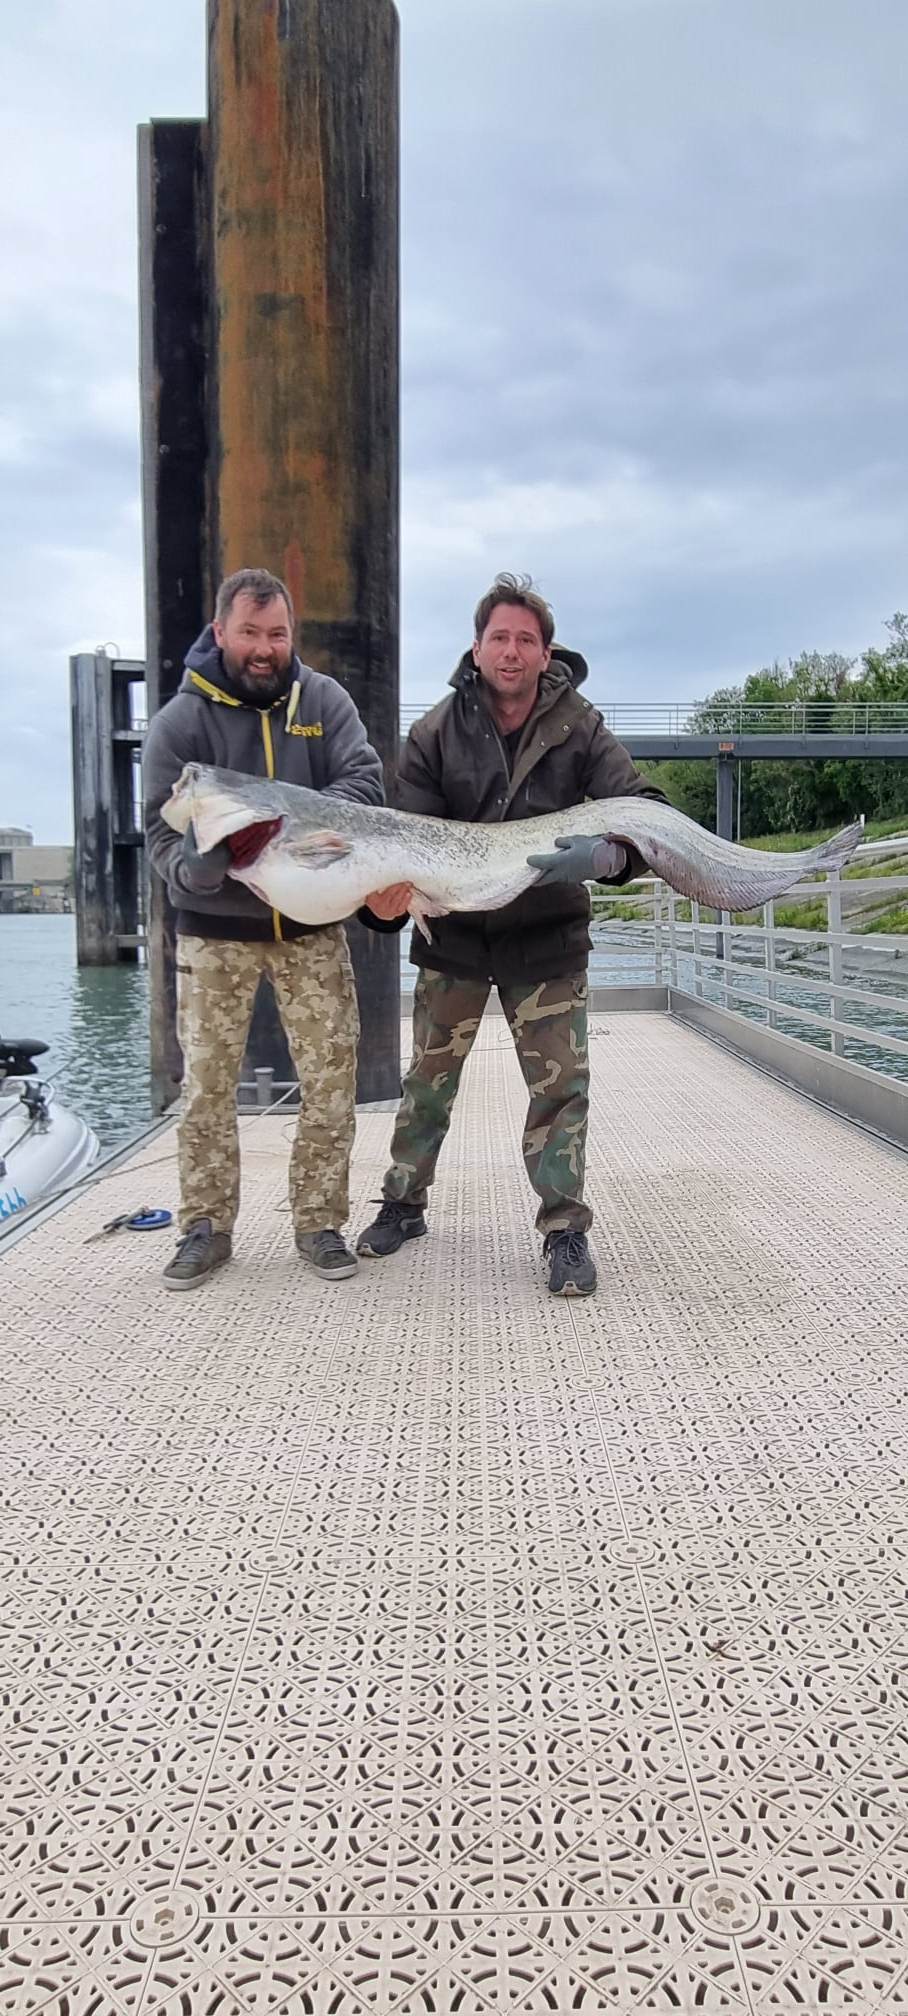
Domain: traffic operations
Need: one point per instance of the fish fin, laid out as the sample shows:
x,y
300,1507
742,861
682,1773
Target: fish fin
x,y
421,907
835,852
320,850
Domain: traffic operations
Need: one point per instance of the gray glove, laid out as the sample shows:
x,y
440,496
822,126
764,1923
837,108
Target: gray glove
x,y
203,874
580,859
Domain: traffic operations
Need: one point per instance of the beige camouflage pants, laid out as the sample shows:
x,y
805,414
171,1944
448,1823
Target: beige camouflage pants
x,y
217,980
549,1026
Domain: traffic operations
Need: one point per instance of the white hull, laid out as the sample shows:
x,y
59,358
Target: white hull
x,y
38,1157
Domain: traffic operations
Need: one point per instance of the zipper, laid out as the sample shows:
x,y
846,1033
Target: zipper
x,y
547,708
504,764
269,766
540,715
485,714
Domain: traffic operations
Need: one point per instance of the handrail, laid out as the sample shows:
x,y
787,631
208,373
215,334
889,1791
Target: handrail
x,y
679,718
738,964
693,717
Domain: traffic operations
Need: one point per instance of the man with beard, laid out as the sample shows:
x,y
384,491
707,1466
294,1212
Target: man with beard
x,y
247,703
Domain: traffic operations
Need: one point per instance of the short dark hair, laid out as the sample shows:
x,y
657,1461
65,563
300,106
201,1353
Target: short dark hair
x,y
254,581
517,589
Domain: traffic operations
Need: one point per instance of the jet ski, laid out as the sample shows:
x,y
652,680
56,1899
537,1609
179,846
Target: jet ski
x,y
43,1146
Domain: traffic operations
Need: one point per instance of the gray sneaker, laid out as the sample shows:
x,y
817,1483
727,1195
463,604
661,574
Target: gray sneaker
x,y
327,1254
395,1223
199,1253
572,1269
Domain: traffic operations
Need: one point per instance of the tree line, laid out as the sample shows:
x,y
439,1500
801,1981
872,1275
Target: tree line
x,y
801,797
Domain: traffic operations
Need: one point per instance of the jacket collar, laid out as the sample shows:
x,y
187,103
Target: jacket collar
x,y
555,684
196,681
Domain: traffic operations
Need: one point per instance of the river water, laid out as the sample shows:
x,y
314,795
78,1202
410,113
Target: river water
x,y
95,1019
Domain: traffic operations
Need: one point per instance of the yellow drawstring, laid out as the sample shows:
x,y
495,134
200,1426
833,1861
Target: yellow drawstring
x,y
269,766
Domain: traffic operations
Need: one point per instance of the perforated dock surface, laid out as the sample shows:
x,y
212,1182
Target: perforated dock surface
x,y
423,1644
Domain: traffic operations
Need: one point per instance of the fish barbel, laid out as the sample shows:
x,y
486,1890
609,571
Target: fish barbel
x,y
326,854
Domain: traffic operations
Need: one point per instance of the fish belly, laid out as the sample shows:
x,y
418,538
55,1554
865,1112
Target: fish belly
x,y
314,896
492,894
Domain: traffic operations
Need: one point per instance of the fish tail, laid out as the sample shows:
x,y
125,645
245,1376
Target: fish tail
x,y
835,852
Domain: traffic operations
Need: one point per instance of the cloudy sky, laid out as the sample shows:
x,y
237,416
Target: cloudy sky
x,y
654,324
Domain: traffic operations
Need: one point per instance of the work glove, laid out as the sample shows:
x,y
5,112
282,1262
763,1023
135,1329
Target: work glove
x,y
580,859
203,874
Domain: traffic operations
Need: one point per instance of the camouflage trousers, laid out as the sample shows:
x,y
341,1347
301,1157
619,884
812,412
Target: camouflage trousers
x,y
549,1026
217,981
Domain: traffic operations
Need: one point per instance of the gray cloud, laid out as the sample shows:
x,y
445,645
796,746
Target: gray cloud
x,y
688,320
654,328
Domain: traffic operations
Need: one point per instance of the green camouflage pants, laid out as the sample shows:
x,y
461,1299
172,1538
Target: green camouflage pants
x,y
549,1026
217,980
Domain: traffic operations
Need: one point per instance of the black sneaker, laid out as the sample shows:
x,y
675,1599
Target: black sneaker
x,y
572,1269
386,1234
200,1251
327,1254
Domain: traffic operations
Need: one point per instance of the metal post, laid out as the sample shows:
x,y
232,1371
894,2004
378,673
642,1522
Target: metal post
x,y
836,952
304,278
657,934
769,942
725,783
91,695
725,802
698,963
174,459
672,938
726,956
127,859
264,1088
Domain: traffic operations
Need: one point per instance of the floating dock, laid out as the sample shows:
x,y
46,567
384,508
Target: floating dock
x,y
422,1643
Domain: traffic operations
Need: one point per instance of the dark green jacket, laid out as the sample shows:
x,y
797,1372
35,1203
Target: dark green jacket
x,y
454,765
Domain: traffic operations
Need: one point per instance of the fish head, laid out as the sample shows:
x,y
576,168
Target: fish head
x,y
217,803
178,808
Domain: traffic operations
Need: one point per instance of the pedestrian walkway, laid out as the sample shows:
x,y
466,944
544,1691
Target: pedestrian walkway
x,y
424,1644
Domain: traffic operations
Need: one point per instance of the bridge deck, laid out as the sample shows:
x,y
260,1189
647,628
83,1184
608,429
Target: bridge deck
x,y
427,1645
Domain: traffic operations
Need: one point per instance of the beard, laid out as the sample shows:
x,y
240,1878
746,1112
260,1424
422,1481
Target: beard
x,y
262,688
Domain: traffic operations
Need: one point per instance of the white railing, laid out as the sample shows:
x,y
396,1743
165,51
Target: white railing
x,y
760,968
691,717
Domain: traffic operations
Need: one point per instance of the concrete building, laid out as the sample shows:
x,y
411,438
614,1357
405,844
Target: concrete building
x,y
33,878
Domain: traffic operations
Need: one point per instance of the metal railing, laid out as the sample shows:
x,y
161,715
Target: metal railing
x,y
808,717
832,986
671,717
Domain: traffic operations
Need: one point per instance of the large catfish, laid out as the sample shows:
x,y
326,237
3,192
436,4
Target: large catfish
x,y
321,856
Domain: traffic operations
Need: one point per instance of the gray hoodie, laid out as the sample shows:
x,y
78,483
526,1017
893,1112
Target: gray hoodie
x,y
313,736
